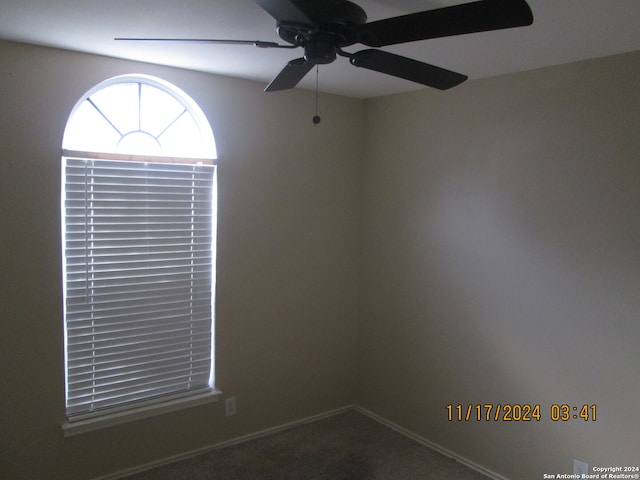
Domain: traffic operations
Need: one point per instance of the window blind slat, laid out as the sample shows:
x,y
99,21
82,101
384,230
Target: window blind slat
x,y
130,374
149,293
82,353
126,397
134,386
138,281
145,350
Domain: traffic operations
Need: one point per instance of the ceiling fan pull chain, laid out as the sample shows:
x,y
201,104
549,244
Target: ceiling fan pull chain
x,y
316,118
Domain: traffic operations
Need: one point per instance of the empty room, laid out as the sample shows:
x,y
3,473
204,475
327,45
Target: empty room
x,y
410,227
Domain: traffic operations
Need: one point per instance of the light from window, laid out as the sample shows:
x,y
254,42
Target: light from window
x,y
141,116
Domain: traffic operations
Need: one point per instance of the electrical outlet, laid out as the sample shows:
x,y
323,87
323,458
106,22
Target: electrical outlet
x,y
580,468
230,406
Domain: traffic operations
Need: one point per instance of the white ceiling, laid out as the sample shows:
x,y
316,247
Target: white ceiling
x,y
563,31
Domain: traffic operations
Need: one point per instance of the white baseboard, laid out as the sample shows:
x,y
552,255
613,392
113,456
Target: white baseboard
x,y
430,444
286,426
233,441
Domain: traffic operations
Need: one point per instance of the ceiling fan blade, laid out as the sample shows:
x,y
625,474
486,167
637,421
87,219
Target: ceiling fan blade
x,y
284,10
290,75
479,16
217,41
407,68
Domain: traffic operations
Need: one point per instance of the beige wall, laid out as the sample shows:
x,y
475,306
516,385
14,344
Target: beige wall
x,y
501,242
287,263
495,227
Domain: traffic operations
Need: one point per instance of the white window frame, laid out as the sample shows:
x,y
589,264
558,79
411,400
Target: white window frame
x,y
91,420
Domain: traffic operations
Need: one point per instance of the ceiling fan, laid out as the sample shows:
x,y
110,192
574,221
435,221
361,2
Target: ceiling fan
x,y
324,27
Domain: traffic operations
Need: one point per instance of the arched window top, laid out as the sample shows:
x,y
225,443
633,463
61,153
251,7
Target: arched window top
x,y
139,115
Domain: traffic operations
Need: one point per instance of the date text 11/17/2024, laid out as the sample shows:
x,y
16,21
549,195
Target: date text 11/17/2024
x,y
514,412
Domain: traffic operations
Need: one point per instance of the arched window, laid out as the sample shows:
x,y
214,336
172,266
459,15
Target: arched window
x,y
139,224
139,115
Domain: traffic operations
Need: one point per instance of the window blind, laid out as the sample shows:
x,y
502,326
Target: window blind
x,y
138,277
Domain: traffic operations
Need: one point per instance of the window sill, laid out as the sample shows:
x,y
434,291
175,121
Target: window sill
x,y
77,427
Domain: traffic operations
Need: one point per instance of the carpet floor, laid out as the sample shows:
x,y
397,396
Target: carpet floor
x,y
349,446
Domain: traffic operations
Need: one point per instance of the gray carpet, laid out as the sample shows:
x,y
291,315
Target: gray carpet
x,y
349,446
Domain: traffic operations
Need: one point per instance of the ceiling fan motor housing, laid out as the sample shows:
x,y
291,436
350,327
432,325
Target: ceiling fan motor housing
x,y
320,51
331,28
